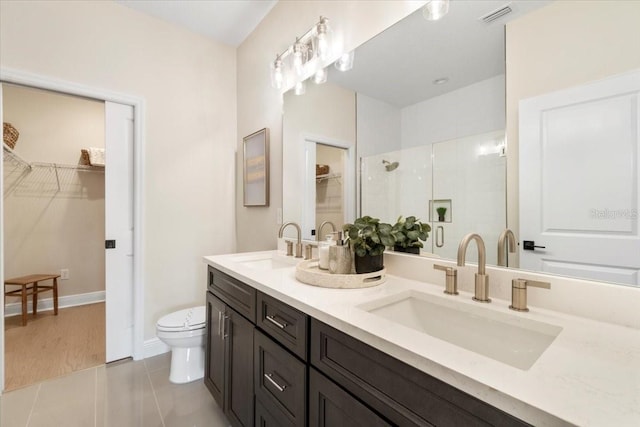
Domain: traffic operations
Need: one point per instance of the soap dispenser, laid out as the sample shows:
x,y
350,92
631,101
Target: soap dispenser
x,y
339,256
323,252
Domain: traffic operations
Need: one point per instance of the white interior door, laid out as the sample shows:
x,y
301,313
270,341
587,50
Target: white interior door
x,y
579,180
119,230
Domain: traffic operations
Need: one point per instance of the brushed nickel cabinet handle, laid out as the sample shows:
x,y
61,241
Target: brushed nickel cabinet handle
x,y
226,330
219,323
269,378
273,320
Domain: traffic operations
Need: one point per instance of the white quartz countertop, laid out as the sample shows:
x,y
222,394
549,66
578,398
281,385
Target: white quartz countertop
x,y
588,376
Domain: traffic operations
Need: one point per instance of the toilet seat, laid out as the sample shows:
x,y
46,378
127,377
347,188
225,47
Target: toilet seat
x,y
183,320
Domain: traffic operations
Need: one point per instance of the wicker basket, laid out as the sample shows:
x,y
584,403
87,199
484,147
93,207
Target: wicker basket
x,y
10,135
322,170
84,158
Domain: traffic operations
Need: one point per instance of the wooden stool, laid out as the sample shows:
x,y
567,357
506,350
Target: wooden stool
x,y
34,290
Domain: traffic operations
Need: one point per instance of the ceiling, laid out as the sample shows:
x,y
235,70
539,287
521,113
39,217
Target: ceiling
x,y
226,21
399,65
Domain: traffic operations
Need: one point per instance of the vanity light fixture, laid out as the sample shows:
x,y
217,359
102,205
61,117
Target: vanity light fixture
x,y
308,58
305,58
435,9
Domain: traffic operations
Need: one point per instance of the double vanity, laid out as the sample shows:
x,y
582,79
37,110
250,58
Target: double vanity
x,y
280,352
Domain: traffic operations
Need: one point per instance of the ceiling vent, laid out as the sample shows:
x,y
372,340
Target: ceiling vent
x,y
496,14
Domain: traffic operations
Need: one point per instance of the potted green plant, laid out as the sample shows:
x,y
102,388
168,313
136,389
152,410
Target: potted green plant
x,y
368,238
441,213
408,233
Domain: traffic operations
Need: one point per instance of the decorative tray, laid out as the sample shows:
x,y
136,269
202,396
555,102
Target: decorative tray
x,y
308,272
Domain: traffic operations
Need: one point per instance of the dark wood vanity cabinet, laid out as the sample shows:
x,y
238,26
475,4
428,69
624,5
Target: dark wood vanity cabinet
x,y
269,364
229,354
401,393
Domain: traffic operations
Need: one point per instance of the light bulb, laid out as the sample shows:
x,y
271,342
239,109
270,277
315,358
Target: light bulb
x,y
320,76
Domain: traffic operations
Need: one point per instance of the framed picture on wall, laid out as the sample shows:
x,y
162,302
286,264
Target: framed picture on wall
x,y
256,168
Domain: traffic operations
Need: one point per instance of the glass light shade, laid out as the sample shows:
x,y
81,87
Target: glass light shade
x,y
322,40
299,58
345,62
277,74
435,9
300,88
320,76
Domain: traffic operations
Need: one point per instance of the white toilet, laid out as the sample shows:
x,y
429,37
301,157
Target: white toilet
x,y
184,331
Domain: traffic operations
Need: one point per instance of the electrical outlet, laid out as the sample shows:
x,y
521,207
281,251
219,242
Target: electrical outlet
x,y
64,274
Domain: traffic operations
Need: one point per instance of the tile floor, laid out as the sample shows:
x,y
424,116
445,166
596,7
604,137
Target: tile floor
x,y
125,394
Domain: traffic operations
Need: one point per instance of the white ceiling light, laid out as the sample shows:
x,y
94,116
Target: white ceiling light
x,y
435,9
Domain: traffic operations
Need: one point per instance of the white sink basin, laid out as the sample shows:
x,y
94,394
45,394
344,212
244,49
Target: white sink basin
x,y
266,261
507,338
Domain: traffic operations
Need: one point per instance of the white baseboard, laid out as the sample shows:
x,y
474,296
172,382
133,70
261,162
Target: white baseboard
x,y
45,304
154,347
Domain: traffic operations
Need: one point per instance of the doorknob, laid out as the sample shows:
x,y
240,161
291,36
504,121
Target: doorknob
x,y
530,245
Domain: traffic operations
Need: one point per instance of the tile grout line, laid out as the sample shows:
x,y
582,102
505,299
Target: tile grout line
x,y
153,390
33,405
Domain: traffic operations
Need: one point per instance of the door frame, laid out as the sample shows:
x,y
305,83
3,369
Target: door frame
x,y
25,78
348,179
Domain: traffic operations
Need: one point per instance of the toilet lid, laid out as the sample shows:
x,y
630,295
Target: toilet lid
x,y
187,319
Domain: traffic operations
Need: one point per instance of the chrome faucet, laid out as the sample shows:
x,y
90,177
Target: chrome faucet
x,y
319,232
509,239
299,242
482,280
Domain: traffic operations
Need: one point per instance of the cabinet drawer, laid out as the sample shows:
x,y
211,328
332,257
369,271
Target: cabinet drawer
x,y
239,296
329,405
273,418
285,324
401,393
280,379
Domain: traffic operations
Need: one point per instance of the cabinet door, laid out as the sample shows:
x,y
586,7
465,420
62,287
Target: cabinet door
x,y
238,334
214,350
329,405
280,380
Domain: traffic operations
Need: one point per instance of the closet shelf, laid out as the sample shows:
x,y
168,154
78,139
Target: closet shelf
x,y
38,177
9,154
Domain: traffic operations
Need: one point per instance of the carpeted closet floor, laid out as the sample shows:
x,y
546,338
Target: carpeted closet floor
x,y
50,346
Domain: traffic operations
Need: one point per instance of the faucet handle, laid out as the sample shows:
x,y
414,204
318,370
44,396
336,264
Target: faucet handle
x,y
451,280
308,251
289,247
519,292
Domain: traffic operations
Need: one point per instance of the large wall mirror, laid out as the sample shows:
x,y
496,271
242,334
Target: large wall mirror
x,y
424,108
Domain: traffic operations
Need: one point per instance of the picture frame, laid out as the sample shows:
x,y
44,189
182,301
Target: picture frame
x,y
256,168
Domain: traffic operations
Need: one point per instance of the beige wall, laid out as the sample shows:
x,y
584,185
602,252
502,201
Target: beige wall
x,y
189,86
49,227
565,44
260,106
